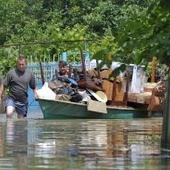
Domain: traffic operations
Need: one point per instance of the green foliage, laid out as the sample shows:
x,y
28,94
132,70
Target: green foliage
x,y
6,63
144,34
104,50
129,31
116,72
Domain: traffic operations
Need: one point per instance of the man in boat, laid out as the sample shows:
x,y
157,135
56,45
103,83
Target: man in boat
x,y
62,72
60,82
63,84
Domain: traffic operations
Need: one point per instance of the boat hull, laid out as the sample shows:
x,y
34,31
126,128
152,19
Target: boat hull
x,y
57,109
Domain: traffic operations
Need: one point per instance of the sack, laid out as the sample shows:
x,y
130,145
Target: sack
x,y
65,90
45,92
63,97
76,97
52,85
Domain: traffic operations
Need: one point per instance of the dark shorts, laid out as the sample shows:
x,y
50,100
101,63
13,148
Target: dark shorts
x,y
20,108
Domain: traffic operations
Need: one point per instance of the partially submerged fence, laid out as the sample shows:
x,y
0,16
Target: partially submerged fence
x,y
48,70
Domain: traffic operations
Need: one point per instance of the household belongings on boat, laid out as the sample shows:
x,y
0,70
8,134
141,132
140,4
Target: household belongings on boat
x,y
68,89
113,91
129,81
69,92
157,97
152,95
96,101
61,109
140,94
45,92
90,109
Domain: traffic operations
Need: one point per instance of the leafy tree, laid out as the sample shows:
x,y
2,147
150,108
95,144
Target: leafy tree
x,y
144,34
11,18
51,24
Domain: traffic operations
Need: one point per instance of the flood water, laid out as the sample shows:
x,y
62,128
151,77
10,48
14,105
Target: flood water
x,y
81,144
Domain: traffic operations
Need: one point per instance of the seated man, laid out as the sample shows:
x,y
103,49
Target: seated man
x,y
62,72
63,84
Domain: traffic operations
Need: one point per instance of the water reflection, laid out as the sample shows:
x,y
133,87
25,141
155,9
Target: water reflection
x,y
9,131
81,144
1,142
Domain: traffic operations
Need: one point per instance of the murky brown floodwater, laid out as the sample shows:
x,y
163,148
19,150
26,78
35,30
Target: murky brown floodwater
x,y
82,144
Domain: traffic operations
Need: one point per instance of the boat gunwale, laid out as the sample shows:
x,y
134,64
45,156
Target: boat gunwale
x,y
84,104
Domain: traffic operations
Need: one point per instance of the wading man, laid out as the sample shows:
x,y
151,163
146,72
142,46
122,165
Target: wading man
x,y
18,80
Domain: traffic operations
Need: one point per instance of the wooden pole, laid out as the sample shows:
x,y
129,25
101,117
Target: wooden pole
x,y
127,87
153,74
113,92
70,70
83,63
98,71
42,73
